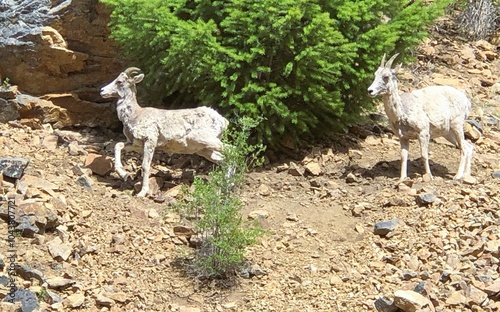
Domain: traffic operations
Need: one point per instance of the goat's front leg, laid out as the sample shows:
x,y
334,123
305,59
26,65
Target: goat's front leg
x,y
424,138
118,161
405,143
126,147
149,150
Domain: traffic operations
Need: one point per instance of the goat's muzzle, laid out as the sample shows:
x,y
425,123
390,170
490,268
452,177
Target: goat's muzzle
x,y
105,93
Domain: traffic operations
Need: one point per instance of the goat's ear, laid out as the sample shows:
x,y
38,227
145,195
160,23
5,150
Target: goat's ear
x,y
138,78
396,69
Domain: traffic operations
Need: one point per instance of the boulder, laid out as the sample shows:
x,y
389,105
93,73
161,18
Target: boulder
x,y
58,50
13,167
28,273
383,304
259,214
7,91
296,170
45,42
426,199
99,164
59,250
67,109
313,167
410,301
8,111
385,227
85,182
32,216
28,299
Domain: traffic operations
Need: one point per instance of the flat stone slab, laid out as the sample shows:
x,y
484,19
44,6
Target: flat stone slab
x,y
13,167
426,199
29,273
385,227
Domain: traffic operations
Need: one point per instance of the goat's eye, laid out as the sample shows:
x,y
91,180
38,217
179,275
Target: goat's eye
x,y
385,78
119,82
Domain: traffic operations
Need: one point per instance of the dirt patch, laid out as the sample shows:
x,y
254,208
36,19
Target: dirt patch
x,y
319,253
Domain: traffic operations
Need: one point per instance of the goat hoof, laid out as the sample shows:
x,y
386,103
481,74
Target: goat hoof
x,y
468,179
406,181
127,177
427,177
142,193
123,174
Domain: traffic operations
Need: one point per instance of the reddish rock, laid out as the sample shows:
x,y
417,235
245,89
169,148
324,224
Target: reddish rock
x,y
99,164
181,230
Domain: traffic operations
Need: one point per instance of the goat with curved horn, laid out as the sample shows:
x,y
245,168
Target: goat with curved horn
x,y
435,111
131,71
183,131
382,64
389,62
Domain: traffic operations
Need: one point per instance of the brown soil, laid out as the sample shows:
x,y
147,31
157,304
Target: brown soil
x,y
317,255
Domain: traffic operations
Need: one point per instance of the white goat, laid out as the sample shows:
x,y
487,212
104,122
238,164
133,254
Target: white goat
x,y
435,111
183,131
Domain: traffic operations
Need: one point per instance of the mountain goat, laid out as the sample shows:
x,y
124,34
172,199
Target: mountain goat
x,y
435,111
183,131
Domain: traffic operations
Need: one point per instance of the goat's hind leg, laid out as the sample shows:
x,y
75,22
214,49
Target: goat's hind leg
x,y
469,148
214,156
466,150
212,150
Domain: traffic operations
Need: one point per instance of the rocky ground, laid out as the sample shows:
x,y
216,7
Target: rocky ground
x,y
88,244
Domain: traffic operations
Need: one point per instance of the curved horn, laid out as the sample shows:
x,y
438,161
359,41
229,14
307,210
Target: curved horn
x,y
131,71
389,62
383,61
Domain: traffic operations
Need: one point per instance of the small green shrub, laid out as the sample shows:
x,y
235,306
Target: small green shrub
x,y
224,234
6,83
43,294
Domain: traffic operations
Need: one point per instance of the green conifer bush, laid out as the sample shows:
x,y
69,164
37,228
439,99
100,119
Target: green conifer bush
x,y
302,65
